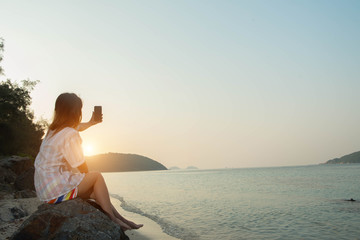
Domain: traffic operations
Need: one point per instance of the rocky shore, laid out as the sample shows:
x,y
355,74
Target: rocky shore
x,y
23,216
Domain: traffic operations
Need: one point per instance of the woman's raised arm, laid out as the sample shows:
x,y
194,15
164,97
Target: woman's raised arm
x,y
85,125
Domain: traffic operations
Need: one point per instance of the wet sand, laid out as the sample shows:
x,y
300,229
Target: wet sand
x,y
150,231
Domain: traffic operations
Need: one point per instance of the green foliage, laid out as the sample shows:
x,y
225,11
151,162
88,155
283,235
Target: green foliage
x,y
18,132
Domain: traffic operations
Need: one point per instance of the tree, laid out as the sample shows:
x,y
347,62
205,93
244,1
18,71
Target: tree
x,y
19,134
1,51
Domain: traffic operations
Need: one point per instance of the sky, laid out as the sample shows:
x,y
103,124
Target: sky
x,y
211,84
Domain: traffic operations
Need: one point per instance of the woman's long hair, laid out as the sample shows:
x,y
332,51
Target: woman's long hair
x,y
67,112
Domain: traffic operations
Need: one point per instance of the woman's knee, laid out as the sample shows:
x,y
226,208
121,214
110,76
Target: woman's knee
x,y
98,175
93,175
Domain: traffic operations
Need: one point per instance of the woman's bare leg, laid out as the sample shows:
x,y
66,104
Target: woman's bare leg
x,y
129,223
94,182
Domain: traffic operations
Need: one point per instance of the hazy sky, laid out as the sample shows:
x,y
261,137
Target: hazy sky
x,y
206,83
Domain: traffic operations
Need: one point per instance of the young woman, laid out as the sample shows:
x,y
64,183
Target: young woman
x,y
61,172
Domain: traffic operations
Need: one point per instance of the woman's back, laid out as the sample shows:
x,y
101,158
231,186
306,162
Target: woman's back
x,y
58,154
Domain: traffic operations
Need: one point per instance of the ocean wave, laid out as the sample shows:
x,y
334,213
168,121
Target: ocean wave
x,y
167,226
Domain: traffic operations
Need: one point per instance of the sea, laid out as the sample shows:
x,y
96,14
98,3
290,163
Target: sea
x,y
305,202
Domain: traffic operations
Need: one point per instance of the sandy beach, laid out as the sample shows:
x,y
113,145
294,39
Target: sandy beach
x,y
150,231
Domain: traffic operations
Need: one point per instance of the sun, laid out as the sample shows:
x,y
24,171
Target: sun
x,y
88,149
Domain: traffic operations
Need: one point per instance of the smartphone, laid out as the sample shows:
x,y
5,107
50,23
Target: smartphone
x,y
97,113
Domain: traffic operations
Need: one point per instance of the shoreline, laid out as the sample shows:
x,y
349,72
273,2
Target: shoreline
x,y
151,229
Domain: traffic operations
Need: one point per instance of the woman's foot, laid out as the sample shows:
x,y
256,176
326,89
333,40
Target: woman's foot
x,y
123,225
134,225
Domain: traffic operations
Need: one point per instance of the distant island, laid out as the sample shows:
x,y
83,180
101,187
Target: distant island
x,y
188,168
120,162
350,158
191,168
174,168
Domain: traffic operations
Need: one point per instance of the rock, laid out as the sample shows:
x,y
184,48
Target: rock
x,y
74,219
6,188
25,180
16,177
6,191
6,196
25,194
11,211
7,176
18,212
17,164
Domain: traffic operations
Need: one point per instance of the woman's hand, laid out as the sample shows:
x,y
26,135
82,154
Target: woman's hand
x,y
92,122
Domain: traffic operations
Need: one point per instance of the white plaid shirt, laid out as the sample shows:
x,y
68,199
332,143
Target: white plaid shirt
x,y
59,155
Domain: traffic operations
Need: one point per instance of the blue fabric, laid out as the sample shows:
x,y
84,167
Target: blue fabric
x,y
59,200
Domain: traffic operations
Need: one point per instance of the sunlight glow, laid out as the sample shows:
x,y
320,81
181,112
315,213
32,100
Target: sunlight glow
x,y
88,149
